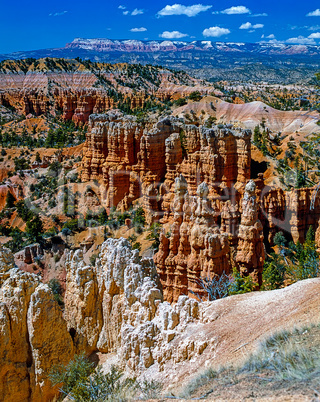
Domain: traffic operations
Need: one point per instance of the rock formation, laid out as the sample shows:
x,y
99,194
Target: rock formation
x,y
136,162
117,306
292,211
76,89
195,247
33,334
250,253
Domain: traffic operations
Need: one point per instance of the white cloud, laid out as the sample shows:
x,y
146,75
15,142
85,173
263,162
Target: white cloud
x,y
270,36
57,14
172,35
301,40
136,11
248,25
315,13
142,29
236,10
122,7
259,15
272,41
179,9
313,28
215,32
315,35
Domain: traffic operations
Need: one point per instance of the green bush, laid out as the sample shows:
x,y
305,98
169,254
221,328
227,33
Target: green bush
x,y
274,271
139,218
195,96
72,375
154,235
180,102
241,284
10,200
57,290
34,228
82,384
73,225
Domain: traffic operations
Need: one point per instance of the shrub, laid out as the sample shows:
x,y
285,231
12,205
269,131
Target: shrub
x,y
17,242
154,235
139,218
180,102
93,259
57,290
241,284
136,246
274,271
10,200
34,228
23,211
215,288
55,169
81,384
73,225
195,96
72,375
284,357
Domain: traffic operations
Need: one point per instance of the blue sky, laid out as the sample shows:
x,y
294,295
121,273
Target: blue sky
x,y
37,25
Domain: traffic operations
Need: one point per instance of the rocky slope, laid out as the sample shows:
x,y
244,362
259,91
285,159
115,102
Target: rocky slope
x,y
75,89
249,115
115,308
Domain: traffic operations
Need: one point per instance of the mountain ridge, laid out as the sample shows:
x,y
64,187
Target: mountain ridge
x,y
231,61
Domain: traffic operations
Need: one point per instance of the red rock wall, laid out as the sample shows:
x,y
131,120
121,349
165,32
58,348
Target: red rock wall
x,y
135,162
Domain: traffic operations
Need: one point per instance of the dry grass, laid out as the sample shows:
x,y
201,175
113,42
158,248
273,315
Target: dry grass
x,y
287,361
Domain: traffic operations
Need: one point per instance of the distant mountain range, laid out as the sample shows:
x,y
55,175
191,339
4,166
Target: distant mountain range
x,y
211,60
107,45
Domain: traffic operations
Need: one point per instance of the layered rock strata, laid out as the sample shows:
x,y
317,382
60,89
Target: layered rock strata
x,y
291,212
136,162
195,247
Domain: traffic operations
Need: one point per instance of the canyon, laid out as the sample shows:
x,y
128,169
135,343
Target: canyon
x,y
76,89
208,207
195,181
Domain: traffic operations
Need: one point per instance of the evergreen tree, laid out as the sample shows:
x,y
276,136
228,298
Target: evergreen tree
x,y
10,200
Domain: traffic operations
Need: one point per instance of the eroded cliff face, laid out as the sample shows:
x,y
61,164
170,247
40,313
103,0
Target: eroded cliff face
x,y
75,89
33,334
137,162
292,211
195,247
250,252
117,306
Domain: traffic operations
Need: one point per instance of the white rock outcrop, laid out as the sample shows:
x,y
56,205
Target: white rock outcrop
x,y
33,335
